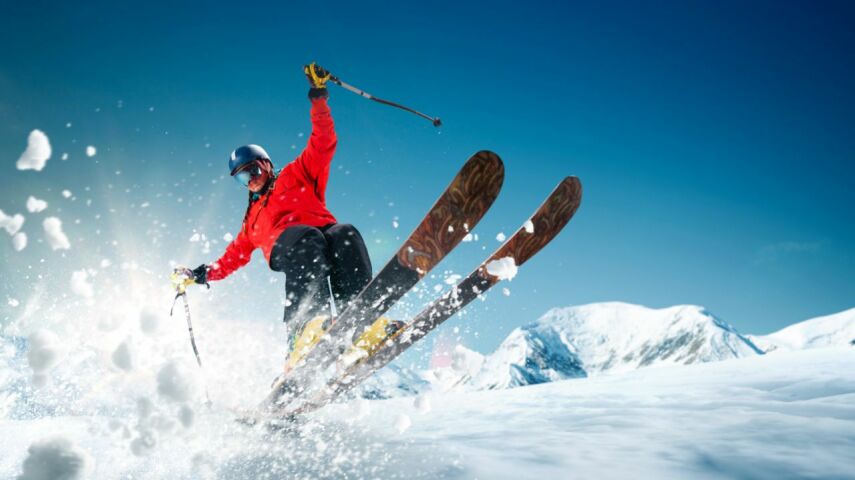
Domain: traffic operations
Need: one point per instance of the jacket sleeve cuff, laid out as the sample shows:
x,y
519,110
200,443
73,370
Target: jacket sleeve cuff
x,y
318,93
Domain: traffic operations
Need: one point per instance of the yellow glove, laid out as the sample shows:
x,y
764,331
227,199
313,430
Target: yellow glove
x,y
318,77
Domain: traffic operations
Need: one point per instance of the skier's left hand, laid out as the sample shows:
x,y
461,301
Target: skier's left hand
x,y
318,77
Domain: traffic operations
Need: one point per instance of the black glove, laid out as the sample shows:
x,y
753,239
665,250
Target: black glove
x,y
200,274
318,77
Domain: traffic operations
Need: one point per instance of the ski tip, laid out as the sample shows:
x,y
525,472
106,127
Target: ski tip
x,y
490,161
573,184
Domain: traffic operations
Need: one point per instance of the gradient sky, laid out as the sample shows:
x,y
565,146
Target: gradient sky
x,y
714,140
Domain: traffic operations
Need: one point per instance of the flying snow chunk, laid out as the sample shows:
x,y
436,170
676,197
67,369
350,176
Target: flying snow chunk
x,y
228,237
503,268
55,236
66,193
195,237
19,241
468,237
122,357
64,156
144,443
186,416
506,292
13,302
501,237
402,423
11,224
91,151
452,279
80,284
43,352
37,153
173,382
35,205
528,226
55,459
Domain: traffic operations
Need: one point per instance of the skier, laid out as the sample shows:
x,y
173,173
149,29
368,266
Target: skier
x,y
288,219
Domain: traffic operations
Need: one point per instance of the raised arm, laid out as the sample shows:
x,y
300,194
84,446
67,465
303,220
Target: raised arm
x,y
314,161
313,164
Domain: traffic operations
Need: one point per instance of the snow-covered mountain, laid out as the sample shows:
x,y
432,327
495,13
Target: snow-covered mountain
x,y
828,331
588,340
578,341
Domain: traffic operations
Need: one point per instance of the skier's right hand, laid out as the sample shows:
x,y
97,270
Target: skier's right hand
x,y
200,274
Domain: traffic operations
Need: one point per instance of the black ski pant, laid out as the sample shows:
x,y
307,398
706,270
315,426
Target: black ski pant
x,y
308,256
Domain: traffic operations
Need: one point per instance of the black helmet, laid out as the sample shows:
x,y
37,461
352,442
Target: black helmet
x,y
245,155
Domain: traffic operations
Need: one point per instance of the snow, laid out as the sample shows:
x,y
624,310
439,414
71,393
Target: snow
x,y
500,237
830,330
528,226
54,458
19,241
80,284
11,224
778,416
228,237
91,151
403,423
122,356
174,382
728,414
42,354
149,321
35,205
55,236
66,193
503,268
38,152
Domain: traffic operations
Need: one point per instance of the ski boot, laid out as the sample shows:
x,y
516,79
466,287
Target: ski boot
x,y
370,341
306,339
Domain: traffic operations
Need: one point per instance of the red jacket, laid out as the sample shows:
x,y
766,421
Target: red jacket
x,y
297,198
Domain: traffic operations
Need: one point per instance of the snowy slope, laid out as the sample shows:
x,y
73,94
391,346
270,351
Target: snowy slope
x,y
790,415
608,337
831,330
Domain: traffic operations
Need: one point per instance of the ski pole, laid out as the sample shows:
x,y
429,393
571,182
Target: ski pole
x,y
181,279
435,120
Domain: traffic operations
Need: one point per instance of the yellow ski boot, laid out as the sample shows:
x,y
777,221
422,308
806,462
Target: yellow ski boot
x,y
311,334
370,341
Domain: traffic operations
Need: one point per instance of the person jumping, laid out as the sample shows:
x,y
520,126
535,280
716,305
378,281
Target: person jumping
x,y
287,217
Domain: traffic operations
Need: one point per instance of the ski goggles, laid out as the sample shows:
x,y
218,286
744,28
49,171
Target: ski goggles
x,y
247,174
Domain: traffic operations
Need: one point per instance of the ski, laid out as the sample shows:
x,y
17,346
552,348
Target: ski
x,y
549,219
449,220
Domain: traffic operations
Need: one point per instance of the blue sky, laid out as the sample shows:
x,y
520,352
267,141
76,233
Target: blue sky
x,y
714,139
